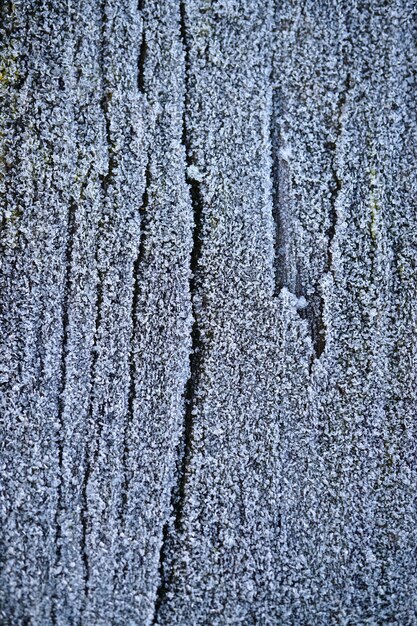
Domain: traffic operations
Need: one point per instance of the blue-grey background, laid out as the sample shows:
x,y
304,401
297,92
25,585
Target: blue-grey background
x,y
208,312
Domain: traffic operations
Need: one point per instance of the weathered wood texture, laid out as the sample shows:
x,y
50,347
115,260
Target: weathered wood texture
x,y
208,312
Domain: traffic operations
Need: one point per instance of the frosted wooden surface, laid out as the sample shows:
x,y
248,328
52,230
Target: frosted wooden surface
x,y
208,313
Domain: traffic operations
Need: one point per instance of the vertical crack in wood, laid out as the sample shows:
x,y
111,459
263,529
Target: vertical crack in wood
x,y
88,464
280,195
314,311
173,525
195,357
107,178
126,475
105,106
71,229
143,51
337,183
106,181
143,211
318,325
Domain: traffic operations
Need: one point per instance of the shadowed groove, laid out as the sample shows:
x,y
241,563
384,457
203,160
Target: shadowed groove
x,y
71,230
178,490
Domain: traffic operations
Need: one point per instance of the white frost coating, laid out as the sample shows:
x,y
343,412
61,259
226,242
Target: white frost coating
x,y
194,173
153,157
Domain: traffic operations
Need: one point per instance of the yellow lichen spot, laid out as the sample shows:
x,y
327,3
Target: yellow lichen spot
x,y
16,214
214,222
8,75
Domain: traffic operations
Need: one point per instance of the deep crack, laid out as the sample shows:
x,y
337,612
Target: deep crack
x,y
71,229
106,181
88,464
178,490
143,51
337,183
143,211
318,325
280,196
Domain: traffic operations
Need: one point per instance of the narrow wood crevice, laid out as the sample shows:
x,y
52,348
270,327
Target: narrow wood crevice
x,y
173,525
196,352
318,325
281,213
91,452
162,573
143,52
336,181
87,461
71,231
143,211
107,178
280,195
105,101
318,332
178,492
84,527
136,291
313,311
